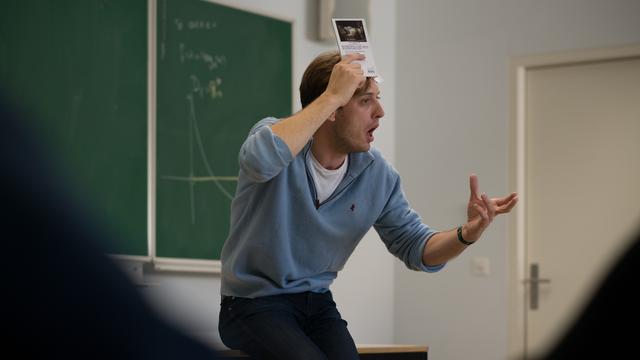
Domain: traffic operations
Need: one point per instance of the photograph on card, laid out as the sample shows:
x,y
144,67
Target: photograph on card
x,y
351,30
352,37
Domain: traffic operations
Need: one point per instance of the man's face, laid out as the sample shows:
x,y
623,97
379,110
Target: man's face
x,y
356,121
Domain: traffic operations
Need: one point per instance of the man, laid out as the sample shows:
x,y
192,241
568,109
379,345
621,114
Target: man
x,y
310,187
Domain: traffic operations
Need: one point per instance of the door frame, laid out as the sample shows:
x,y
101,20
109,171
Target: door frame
x,y
519,66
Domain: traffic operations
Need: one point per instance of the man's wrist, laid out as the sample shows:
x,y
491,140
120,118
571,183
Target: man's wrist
x,y
460,236
329,99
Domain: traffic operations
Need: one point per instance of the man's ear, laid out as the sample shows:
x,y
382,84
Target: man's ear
x,y
332,117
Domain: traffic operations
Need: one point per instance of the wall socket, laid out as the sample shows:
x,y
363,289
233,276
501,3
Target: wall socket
x,y
481,266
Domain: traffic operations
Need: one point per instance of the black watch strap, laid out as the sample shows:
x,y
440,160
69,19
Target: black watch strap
x,y
461,239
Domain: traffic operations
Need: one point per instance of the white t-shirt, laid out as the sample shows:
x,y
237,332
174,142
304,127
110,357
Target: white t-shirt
x,y
326,181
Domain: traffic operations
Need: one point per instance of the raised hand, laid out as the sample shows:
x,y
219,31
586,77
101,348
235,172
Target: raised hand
x,y
346,77
481,210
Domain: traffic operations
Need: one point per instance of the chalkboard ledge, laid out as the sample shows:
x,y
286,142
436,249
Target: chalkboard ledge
x,y
187,265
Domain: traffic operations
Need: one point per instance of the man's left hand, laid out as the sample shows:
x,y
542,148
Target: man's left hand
x,y
481,210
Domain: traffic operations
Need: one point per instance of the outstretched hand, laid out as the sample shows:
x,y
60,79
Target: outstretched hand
x,y
481,210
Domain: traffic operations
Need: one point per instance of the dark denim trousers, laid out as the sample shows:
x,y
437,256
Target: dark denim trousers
x,y
292,326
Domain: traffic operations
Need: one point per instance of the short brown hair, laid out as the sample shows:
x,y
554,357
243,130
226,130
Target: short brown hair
x,y
316,78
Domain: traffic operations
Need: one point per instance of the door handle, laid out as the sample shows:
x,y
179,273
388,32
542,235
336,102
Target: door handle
x,y
534,281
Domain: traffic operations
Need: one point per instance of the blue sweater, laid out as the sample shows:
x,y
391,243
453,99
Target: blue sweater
x,y
281,240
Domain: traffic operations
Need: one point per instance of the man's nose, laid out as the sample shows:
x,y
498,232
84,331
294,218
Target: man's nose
x,y
379,111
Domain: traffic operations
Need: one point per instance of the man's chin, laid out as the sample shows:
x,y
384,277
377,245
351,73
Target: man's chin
x,y
359,147
363,148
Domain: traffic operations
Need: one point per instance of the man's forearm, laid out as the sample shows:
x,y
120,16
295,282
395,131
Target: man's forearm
x,y
442,247
345,78
297,129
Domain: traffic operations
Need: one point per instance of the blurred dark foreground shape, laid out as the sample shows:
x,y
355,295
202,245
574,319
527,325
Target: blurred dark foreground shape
x,y
607,328
62,297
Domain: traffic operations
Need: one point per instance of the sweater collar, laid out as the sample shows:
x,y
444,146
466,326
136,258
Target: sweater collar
x,y
358,162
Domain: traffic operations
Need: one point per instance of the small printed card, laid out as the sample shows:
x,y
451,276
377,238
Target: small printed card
x,y
352,37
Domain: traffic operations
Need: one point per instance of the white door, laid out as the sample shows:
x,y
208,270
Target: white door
x,y
581,186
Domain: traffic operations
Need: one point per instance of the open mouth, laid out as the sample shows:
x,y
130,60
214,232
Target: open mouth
x,y
370,137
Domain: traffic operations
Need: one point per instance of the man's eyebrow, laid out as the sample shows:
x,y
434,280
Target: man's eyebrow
x,y
370,94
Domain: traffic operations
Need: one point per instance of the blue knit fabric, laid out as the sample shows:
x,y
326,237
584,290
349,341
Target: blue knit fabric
x,y
280,241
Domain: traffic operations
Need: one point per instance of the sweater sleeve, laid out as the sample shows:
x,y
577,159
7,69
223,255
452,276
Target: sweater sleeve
x,y
403,232
263,154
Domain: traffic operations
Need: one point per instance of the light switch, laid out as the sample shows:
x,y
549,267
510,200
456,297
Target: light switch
x,y
481,266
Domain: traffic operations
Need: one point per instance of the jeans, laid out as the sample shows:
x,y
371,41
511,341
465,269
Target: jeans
x,y
289,326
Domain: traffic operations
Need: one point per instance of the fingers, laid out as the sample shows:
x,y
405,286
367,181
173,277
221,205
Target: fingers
x,y
350,67
346,77
483,213
348,62
506,199
473,187
507,208
355,67
352,57
482,210
506,203
490,206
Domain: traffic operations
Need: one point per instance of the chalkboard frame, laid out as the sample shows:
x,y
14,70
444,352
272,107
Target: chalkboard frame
x,y
125,259
174,263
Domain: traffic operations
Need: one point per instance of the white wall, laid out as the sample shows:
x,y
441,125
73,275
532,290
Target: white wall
x,y
364,289
453,107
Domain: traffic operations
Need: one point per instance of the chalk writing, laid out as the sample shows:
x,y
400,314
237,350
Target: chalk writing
x,y
194,24
212,62
199,24
195,140
213,88
179,24
163,40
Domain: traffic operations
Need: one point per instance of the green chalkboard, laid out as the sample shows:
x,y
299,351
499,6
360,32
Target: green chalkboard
x,y
80,68
219,71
